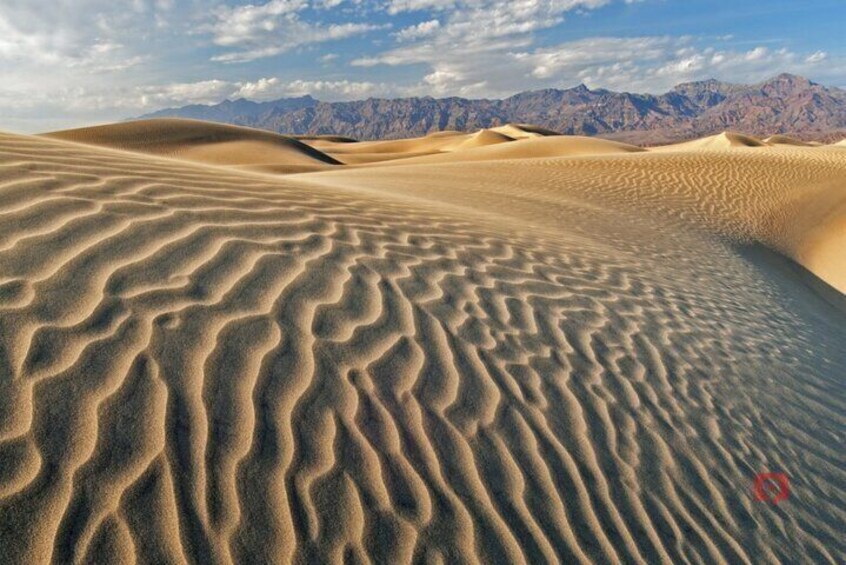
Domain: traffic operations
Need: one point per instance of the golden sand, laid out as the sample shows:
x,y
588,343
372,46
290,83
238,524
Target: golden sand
x,y
555,350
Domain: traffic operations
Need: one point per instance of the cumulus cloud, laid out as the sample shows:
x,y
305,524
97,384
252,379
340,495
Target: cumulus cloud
x,y
423,29
64,33
816,57
399,6
470,33
266,88
265,30
643,64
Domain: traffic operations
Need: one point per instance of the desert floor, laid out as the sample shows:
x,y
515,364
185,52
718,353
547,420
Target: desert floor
x,y
219,345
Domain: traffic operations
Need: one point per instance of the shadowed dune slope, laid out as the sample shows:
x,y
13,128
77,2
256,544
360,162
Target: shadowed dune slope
x,y
787,140
206,142
549,360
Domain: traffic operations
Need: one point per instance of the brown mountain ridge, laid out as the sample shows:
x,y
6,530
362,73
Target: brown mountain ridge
x,y
785,104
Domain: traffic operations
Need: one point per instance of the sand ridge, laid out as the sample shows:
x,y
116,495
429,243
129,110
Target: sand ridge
x,y
558,359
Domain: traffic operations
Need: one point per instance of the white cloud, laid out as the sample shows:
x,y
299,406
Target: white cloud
x,y
338,89
500,66
423,29
268,88
399,6
266,30
64,35
656,64
816,57
755,54
241,24
469,40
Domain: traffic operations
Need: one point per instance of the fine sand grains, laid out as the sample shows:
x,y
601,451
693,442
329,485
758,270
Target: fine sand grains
x,y
582,359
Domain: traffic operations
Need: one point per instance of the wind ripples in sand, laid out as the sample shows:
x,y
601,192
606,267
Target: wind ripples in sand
x,y
203,366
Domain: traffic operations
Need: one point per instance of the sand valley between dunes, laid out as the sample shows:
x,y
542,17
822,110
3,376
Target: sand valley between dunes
x,y
219,345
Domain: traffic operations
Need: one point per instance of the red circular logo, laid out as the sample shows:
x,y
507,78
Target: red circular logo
x,y
772,487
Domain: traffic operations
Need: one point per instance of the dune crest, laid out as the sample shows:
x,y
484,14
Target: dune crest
x,y
482,138
524,131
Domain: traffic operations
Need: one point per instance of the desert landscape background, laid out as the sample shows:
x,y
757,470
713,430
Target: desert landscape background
x,y
225,345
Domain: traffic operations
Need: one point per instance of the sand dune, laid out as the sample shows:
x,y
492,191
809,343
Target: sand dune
x,y
428,144
438,143
482,138
787,140
566,359
523,131
205,142
725,140
791,200
530,148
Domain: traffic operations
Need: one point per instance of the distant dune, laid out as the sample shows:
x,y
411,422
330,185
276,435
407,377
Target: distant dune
x,y
530,148
787,140
506,346
723,140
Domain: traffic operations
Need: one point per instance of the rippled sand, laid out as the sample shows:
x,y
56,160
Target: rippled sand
x,y
561,359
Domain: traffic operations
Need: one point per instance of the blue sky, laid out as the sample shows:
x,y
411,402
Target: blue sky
x,y
66,63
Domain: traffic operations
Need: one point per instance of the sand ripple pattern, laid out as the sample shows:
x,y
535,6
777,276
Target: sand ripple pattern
x,y
201,366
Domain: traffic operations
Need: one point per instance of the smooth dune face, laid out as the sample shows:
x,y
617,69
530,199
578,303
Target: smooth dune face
x,y
205,142
523,131
562,359
529,148
439,143
725,140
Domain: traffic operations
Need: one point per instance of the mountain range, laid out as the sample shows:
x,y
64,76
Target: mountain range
x,y
784,104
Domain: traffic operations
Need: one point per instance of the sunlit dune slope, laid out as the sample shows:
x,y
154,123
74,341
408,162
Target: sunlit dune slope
x,y
481,138
523,131
530,148
438,143
792,200
725,140
206,142
566,359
